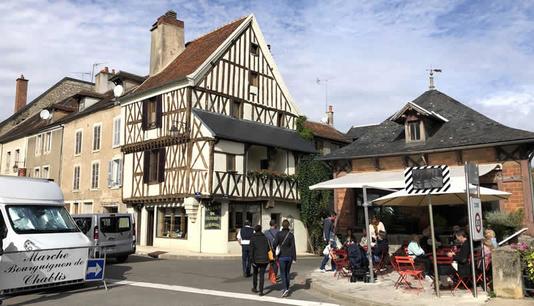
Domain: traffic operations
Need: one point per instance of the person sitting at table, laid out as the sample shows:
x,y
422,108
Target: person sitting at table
x,y
461,257
418,254
357,256
381,247
375,226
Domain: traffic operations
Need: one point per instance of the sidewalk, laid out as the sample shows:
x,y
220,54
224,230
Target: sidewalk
x,y
382,292
186,254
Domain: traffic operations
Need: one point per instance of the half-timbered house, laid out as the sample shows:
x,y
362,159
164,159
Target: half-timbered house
x,y
210,140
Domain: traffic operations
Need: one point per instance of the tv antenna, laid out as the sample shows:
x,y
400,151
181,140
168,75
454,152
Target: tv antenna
x,y
95,65
325,83
431,77
82,74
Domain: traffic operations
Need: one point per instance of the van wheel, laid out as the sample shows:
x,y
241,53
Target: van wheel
x,y
122,259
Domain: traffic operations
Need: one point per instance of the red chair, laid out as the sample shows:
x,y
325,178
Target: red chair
x,y
405,267
341,259
380,266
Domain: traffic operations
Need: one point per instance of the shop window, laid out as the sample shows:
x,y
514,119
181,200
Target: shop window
x,y
172,223
238,214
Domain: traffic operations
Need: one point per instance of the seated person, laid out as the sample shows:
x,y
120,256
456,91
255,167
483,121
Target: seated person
x,y
357,257
461,257
382,246
418,254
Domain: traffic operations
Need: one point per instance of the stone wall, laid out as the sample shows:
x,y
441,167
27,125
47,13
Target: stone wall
x,y
507,273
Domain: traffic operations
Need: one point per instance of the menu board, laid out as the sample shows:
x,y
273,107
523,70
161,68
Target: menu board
x,y
212,218
427,178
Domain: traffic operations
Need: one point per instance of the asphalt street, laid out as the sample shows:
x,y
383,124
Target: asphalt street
x,y
148,281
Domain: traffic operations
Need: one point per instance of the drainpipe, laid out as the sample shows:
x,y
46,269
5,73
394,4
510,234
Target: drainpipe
x,y
60,153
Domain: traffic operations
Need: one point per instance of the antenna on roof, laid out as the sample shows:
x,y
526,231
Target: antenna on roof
x,y
431,78
82,74
93,71
325,82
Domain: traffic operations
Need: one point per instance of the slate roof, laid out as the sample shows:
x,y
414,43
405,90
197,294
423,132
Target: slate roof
x,y
196,52
326,131
226,127
356,132
465,128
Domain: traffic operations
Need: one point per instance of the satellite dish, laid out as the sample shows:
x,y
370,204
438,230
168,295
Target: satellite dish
x,y
118,91
324,120
45,114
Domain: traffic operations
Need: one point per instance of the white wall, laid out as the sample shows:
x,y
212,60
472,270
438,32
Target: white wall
x,y
127,176
20,144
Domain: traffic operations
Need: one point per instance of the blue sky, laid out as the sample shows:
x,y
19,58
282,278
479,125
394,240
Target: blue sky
x,y
374,53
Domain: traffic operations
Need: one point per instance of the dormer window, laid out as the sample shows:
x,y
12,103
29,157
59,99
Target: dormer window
x,y
414,131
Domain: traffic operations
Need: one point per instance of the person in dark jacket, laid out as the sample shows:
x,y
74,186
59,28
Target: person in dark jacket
x,y
464,268
244,235
329,236
259,246
271,236
357,256
288,254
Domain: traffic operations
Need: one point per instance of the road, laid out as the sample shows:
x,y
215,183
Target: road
x,y
148,281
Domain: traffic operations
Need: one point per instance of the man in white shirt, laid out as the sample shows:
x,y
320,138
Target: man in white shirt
x,y
244,235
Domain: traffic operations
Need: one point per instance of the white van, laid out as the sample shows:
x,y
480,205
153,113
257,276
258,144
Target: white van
x,y
34,216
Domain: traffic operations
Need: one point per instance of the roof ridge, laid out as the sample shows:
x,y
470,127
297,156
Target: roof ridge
x,y
218,28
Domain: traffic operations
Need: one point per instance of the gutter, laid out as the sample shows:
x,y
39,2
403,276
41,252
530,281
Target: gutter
x,y
326,158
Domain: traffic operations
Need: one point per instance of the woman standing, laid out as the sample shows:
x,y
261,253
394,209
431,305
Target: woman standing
x,y
288,254
259,247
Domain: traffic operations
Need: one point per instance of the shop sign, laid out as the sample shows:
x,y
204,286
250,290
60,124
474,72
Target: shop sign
x,y
476,219
427,179
212,218
19,270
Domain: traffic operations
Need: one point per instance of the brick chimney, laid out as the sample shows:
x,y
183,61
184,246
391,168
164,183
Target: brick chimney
x,y
330,116
21,93
167,41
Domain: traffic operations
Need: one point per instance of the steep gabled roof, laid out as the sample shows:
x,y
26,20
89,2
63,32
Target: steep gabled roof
x,y
398,116
226,127
195,54
357,131
326,131
465,128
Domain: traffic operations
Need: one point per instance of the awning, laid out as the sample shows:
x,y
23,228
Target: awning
x,y
392,179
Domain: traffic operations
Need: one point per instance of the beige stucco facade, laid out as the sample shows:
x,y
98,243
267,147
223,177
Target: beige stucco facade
x,y
105,197
47,157
10,150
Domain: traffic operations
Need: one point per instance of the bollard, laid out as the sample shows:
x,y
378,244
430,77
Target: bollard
x,y
507,273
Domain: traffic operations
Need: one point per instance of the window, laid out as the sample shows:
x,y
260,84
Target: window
x,y
97,129
115,173
264,164
37,172
17,156
238,213
87,208
172,223
230,163
39,219
253,79
235,109
414,130
115,224
95,175
78,143
46,172
254,49
47,145
76,178
152,113
84,224
38,144
8,161
280,118
116,132
154,166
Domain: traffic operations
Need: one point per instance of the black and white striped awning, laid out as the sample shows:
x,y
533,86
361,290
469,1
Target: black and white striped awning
x,y
165,205
427,179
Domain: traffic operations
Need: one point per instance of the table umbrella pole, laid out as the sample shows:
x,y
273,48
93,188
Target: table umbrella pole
x,y
434,257
369,251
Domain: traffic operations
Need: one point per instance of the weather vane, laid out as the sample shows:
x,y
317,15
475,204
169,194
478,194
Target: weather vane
x,y
431,77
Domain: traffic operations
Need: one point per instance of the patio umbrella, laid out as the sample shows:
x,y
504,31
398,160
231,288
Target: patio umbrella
x,y
455,195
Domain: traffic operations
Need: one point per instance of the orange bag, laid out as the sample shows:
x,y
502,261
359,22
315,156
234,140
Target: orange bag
x,y
272,276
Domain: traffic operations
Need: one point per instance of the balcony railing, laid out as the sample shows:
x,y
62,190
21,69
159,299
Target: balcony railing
x,y
232,184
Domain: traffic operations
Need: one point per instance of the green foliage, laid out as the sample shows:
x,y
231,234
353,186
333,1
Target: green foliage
x,y
503,223
528,260
302,130
314,203
267,174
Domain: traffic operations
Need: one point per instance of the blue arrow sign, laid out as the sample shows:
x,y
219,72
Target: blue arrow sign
x,y
95,269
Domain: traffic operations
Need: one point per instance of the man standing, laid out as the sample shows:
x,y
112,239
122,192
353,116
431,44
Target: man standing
x,y
244,235
271,236
329,237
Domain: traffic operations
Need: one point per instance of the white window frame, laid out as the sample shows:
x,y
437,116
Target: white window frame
x,y
48,171
38,144
38,170
47,142
82,207
8,161
98,175
81,142
74,177
116,132
115,173
99,125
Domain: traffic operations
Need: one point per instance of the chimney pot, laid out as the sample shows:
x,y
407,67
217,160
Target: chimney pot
x,y
171,14
21,93
330,115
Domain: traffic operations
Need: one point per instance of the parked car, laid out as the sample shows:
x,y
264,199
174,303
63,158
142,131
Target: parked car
x,y
113,235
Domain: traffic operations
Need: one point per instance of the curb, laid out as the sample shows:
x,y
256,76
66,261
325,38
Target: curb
x,y
170,256
344,298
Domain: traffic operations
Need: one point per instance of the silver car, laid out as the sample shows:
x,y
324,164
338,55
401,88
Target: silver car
x,y
110,234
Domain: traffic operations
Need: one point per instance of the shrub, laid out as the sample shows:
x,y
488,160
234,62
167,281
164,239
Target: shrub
x,y
504,224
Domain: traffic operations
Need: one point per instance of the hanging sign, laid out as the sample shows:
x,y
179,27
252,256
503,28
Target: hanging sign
x,y
19,270
212,218
427,179
477,228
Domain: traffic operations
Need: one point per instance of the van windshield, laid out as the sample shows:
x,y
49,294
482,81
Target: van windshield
x,y
40,219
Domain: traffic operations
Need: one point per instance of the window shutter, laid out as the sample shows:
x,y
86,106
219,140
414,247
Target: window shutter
x,y
159,111
119,173
144,118
110,173
146,166
161,165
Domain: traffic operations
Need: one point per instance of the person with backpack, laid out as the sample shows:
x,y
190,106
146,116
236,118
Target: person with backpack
x,y
287,255
259,247
271,236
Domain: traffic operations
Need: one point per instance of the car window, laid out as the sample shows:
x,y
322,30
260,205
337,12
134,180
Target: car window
x,y
114,224
84,224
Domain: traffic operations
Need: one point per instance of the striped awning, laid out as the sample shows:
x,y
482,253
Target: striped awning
x,y
166,205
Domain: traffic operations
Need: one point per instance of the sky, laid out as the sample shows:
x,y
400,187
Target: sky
x,y
374,54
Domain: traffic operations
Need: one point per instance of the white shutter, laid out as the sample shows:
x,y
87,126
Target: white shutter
x,y
110,173
119,172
